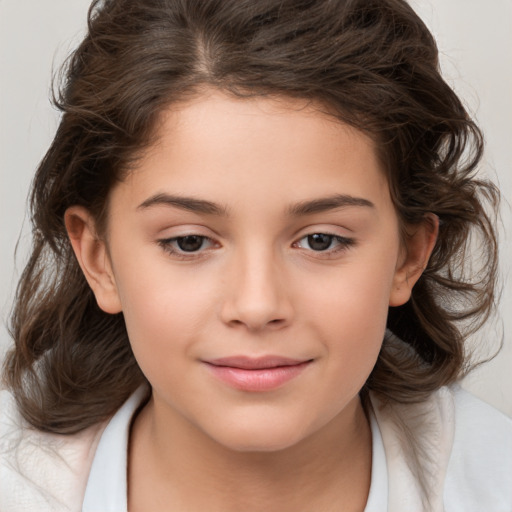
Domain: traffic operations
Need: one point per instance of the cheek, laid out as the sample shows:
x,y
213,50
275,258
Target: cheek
x,y
355,296
166,309
156,309
349,313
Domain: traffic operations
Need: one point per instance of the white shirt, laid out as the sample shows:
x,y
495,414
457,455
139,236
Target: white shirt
x,y
107,484
450,453
106,489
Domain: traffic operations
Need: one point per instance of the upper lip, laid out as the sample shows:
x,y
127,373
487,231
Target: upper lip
x,y
256,363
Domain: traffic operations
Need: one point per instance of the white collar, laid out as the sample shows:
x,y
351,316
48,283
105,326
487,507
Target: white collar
x,y
378,496
107,483
106,489
418,439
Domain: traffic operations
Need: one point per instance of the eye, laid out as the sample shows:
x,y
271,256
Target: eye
x,y
188,244
324,242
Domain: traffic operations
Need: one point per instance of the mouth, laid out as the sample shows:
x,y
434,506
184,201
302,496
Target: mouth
x,y
256,374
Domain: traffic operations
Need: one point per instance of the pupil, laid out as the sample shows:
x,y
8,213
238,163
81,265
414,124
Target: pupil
x,y
190,243
319,241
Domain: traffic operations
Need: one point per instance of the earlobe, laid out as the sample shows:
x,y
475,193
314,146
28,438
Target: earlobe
x,y
419,246
93,258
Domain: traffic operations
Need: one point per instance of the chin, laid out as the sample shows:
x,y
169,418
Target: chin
x,y
261,444
260,437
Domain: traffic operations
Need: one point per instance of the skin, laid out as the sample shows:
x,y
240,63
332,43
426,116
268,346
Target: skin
x,y
255,287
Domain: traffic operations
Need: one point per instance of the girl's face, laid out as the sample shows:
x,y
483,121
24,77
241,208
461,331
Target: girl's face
x,y
254,253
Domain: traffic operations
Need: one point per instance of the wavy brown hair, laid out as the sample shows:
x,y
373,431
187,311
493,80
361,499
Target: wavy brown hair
x,y
370,63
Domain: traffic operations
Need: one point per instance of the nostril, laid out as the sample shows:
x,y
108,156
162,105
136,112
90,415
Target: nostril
x,y
257,302
258,325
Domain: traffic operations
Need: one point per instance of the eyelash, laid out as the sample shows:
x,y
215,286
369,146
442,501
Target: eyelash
x,y
343,243
169,245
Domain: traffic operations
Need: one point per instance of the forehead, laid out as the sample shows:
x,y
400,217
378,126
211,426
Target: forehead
x,y
234,150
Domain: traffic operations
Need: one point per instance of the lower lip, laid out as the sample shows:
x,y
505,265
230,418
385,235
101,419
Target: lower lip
x,y
264,379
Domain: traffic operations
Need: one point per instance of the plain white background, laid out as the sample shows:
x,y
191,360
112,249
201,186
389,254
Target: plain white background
x,y
475,40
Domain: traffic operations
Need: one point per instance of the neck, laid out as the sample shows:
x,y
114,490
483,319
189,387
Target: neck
x,y
172,462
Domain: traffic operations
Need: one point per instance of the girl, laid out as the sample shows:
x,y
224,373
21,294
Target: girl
x,y
248,287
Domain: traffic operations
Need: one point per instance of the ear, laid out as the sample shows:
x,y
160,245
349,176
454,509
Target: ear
x,y
93,258
419,245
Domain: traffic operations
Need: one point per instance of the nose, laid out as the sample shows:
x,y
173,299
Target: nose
x,y
256,295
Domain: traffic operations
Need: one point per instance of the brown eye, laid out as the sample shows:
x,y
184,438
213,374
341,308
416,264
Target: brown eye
x,y
190,243
320,241
187,246
324,242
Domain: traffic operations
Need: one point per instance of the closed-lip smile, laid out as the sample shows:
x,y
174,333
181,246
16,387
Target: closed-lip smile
x,y
256,373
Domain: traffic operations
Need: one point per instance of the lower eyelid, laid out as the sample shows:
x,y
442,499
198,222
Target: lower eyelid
x,y
344,242
167,244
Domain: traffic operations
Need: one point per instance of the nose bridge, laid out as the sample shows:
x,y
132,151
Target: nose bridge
x,y
257,295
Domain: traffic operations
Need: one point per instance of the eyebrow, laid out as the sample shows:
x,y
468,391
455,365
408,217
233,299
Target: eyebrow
x,y
300,209
328,203
185,203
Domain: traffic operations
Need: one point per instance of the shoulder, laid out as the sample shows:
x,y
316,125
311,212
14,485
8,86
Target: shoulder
x,y
452,452
480,466
41,471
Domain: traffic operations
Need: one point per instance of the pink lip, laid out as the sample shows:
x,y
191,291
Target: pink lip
x,y
256,374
